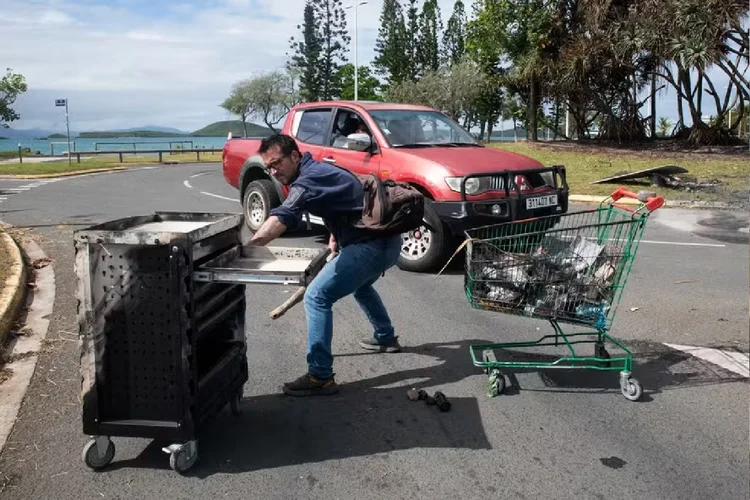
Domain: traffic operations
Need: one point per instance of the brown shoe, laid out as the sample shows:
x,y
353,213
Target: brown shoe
x,y
309,385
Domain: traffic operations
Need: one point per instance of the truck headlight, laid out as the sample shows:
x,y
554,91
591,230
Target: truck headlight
x,y
473,185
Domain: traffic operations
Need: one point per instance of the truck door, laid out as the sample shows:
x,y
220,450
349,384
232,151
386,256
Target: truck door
x,y
336,152
310,129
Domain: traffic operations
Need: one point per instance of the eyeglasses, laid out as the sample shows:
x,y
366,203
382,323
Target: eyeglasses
x,y
274,164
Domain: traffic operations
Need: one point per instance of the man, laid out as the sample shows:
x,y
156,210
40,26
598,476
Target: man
x,y
361,256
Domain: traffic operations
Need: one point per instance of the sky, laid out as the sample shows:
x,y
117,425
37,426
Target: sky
x,y
130,63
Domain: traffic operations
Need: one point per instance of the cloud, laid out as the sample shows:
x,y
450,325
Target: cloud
x,y
150,52
154,37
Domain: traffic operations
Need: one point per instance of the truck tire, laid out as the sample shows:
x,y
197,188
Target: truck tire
x,y
259,198
425,249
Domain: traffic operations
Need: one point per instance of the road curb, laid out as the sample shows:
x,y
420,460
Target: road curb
x,y
584,198
12,293
22,352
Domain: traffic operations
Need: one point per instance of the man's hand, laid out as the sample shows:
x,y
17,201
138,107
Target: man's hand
x,y
333,246
269,231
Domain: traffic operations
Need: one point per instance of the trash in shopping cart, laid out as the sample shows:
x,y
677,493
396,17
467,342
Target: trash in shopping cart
x,y
572,277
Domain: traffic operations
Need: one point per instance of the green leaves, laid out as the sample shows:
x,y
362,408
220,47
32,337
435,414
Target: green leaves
x,y
322,50
11,86
368,85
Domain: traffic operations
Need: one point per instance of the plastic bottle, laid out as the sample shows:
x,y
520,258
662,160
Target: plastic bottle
x,y
594,311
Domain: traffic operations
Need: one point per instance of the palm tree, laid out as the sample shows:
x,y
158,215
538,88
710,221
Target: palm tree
x,y
664,125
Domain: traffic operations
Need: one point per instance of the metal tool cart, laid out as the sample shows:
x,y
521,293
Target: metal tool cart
x,y
572,273
161,312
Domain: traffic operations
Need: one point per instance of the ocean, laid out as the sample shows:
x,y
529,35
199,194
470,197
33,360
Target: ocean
x,y
59,146
103,144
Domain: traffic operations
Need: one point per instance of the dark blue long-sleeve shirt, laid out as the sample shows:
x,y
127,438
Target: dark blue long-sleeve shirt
x,y
330,193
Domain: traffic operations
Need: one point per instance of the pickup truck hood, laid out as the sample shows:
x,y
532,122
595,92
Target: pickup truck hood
x,y
466,160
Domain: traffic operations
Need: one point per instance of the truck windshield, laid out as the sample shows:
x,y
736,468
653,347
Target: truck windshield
x,y
415,128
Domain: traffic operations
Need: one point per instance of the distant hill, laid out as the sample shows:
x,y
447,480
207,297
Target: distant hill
x,y
155,128
221,129
57,136
136,133
27,134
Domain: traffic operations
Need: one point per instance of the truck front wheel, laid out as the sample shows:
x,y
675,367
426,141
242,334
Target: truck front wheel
x,y
259,198
426,247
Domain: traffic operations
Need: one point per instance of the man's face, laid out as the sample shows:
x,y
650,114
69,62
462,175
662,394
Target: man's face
x,y
283,168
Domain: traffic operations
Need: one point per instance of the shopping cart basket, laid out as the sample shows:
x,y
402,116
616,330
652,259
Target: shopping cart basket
x,y
567,269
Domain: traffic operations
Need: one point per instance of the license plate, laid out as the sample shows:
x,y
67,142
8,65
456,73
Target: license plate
x,y
541,202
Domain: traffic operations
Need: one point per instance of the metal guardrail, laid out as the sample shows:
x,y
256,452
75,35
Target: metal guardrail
x,y
134,143
160,152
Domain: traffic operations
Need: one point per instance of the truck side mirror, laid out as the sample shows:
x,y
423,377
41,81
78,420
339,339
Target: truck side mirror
x,y
358,142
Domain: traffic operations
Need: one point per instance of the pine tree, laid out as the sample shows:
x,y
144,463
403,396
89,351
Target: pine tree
x,y
428,46
454,38
334,44
411,41
391,59
307,55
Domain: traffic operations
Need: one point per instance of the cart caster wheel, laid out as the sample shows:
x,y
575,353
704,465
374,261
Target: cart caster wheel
x,y
632,390
182,458
234,405
98,453
496,383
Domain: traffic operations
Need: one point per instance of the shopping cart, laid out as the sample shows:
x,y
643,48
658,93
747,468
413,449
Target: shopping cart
x,y
567,269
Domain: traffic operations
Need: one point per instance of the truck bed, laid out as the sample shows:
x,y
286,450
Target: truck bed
x,y
236,151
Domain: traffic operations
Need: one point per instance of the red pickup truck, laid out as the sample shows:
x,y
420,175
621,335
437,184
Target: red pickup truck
x,y
466,184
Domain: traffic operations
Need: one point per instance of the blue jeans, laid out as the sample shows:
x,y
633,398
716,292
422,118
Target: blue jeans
x,y
353,270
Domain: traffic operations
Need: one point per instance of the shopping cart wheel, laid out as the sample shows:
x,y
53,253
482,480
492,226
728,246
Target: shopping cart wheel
x,y
182,457
234,404
496,383
631,389
98,452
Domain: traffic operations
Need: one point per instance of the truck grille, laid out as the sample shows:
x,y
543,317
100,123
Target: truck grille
x,y
497,182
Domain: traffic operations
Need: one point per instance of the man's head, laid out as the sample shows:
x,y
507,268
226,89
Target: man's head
x,y
281,157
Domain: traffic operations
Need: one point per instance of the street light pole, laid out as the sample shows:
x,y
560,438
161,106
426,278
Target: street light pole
x,y
67,126
356,59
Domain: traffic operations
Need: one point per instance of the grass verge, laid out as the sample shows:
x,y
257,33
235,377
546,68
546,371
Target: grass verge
x,y
61,166
587,163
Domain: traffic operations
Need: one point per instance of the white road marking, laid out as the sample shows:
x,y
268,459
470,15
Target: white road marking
x,y
684,244
220,197
198,175
656,242
733,361
187,184
19,190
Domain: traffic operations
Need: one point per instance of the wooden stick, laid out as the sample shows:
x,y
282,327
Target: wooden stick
x,y
289,303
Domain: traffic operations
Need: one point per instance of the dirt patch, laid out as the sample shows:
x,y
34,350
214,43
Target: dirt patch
x,y
657,150
714,174
5,374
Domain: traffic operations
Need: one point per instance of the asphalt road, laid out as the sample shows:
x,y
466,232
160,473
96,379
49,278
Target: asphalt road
x,y
553,435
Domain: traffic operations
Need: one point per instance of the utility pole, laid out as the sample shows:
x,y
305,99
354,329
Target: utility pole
x,y
59,103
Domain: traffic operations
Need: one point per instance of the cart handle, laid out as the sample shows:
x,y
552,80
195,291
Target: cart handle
x,y
651,203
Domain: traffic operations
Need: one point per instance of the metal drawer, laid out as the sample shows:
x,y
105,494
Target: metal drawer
x,y
264,265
